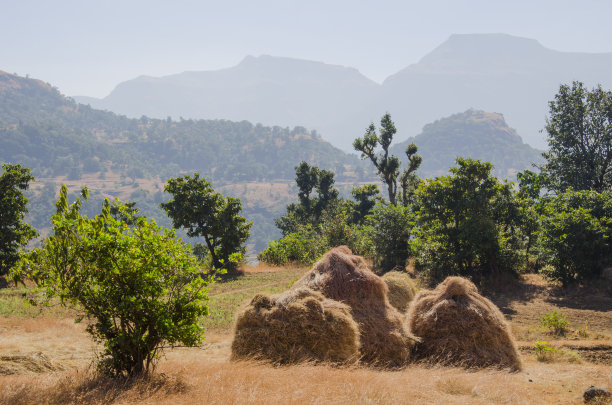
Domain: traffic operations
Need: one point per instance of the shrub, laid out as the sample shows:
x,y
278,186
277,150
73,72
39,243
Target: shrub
x,y
556,322
544,351
138,287
467,223
293,248
389,233
575,235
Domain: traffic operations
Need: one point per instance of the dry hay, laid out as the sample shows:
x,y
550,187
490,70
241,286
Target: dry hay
x,y
401,289
297,325
458,326
341,276
26,363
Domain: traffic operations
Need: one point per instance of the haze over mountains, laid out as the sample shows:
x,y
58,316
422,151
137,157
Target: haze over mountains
x,y
491,72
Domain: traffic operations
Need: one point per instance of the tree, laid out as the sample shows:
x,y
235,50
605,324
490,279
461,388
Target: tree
x,y
14,233
576,235
366,197
580,139
203,212
388,166
467,223
390,229
309,210
138,286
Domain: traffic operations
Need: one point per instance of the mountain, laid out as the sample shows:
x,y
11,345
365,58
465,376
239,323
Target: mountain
x,y
490,72
265,89
493,72
476,134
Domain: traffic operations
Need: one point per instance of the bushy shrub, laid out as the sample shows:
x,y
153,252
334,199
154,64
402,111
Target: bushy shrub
x,y
556,322
293,248
138,286
467,223
390,228
576,234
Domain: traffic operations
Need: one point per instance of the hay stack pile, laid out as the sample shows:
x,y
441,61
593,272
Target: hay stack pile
x,y
298,325
458,326
401,289
344,277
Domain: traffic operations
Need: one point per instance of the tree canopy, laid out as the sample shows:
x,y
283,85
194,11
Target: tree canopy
x,y
14,233
579,130
203,212
388,166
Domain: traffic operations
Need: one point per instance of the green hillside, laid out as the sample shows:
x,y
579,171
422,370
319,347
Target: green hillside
x,y
62,141
476,134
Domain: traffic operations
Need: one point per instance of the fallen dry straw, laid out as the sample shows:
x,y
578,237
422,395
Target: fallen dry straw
x,y
26,363
401,289
298,325
341,276
458,326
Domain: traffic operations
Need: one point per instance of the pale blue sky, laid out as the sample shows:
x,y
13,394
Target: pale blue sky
x,y
87,47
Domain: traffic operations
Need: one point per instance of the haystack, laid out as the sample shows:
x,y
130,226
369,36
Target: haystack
x,y
298,325
401,289
458,326
341,276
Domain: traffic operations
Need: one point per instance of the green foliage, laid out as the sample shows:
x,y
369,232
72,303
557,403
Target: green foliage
x,y
388,166
556,322
203,212
544,351
14,233
467,223
138,287
390,229
309,209
579,138
293,248
576,235
366,197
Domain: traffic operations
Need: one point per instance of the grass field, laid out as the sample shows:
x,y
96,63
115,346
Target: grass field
x,y
62,372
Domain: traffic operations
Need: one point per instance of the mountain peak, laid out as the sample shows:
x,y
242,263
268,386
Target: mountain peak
x,y
479,49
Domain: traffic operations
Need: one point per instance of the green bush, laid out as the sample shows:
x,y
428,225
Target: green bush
x,y
576,234
556,322
138,286
293,248
390,228
468,224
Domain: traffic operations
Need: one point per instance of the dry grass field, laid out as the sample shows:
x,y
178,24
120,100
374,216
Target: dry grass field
x,y
46,358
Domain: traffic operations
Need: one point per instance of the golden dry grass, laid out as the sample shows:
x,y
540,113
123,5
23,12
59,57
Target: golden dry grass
x,y
205,375
189,379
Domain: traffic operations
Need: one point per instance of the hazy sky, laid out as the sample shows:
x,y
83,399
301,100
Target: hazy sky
x,y
86,47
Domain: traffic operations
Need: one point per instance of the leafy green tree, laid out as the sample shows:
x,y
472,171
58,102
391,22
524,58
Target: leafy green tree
x,y
202,211
580,139
388,166
14,233
576,235
366,197
390,230
138,286
467,223
309,210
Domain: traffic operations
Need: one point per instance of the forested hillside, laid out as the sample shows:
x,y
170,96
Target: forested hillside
x,y
477,134
62,141
115,156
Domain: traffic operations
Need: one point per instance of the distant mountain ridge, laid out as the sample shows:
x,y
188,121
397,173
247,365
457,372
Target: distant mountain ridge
x,y
491,72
